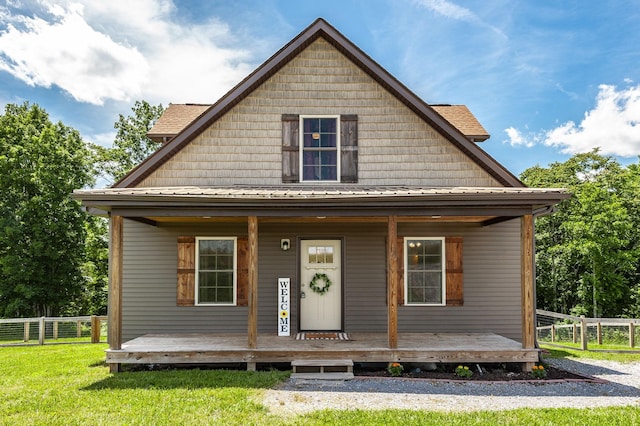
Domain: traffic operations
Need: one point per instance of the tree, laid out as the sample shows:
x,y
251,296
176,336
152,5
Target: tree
x,y
131,145
42,229
587,251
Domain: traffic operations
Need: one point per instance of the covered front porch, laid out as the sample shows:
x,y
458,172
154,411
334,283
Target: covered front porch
x,y
361,347
368,222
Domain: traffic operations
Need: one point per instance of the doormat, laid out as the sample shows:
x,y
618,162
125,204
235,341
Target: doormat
x,y
322,336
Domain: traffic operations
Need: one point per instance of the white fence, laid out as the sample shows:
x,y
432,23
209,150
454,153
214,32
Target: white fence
x,y
558,328
46,330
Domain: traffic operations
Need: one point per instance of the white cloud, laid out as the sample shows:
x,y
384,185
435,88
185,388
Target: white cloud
x,y
453,11
517,139
448,9
67,52
120,50
613,125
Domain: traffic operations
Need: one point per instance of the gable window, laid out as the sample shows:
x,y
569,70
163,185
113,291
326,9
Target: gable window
x,y
215,271
320,148
425,277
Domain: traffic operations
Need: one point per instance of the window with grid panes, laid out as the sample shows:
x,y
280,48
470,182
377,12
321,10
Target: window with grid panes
x,y
424,271
215,271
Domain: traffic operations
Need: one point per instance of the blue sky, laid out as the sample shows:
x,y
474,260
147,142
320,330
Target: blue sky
x,y
547,78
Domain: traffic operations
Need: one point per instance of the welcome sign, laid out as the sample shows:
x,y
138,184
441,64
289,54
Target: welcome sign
x,y
284,325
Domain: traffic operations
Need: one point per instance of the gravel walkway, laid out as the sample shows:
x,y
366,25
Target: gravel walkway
x,y
621,387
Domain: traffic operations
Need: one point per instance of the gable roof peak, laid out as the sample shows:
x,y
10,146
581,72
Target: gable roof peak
x,y
319,28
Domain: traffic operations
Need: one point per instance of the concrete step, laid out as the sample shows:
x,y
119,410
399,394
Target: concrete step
x,y
322,369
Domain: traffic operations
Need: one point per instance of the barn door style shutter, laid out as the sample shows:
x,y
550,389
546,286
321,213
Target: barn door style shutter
x,y
454,271
242,280
186,287
349,148
290,148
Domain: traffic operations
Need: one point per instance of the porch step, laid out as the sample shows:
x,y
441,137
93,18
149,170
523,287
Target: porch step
x,y
322,369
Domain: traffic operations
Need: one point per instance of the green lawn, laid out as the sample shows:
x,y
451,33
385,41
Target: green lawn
x,y
70,385
556,352
594,346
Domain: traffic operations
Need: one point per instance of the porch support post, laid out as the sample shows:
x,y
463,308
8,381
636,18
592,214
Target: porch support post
x,y
115,287
528,283
392,282
253,282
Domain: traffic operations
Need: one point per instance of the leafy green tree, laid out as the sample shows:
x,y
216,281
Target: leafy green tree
x,y
97,266
42,229
131,145
587,251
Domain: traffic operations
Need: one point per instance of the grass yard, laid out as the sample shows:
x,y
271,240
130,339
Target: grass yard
x,y
556,352
70,385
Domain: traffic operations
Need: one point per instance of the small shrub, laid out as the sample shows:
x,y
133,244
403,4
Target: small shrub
x,y
463,371
538,372
395,369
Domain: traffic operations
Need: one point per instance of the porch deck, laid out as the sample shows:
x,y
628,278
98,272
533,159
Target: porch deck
x,y
362,347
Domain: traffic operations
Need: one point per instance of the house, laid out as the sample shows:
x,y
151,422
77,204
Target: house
x,y
320,210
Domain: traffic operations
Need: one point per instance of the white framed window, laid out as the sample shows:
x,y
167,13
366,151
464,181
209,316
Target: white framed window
x,y
216,270
320,148
424,271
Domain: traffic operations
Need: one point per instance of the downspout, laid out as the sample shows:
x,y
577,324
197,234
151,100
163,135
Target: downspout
x,y
543,211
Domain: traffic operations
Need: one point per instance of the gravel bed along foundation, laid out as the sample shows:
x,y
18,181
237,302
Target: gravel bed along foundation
x,y
619,385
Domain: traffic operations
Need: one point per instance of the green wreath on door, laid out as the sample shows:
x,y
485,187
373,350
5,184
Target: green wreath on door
x,y
315,281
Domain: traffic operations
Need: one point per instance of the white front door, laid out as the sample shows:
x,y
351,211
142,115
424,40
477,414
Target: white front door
x,y
320,308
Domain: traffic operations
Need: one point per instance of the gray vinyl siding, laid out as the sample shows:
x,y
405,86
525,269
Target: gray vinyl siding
x,y
491,279
492,286
149,284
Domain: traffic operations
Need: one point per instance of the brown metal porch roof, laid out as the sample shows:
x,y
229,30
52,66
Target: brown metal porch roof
x,y
340,199
316,192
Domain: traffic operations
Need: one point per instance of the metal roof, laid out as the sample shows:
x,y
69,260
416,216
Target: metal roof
x,y
319,193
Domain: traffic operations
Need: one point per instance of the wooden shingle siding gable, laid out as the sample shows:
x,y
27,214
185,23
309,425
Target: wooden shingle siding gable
x,y
394,145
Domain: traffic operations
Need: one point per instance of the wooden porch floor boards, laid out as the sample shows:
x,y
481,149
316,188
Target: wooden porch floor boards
x,y
363,347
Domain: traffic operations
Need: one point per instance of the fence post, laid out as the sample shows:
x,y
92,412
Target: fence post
x,y
599,329
79,329
583,332
553,333
632,335
95,329
41,331
55,330
26,331
575,333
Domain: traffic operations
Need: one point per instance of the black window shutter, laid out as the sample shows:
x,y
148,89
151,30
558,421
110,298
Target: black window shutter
x,y
290,157
349,148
